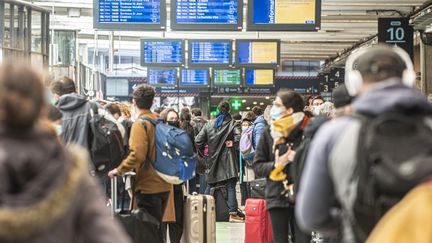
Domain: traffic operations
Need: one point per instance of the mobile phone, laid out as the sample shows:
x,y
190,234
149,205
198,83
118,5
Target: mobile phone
x,y
283,148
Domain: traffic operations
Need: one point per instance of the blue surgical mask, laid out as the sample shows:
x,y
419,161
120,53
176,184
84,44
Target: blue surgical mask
x,y
275,113
316,111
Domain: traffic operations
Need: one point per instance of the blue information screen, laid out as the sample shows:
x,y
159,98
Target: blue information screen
x,y
162,76
194,77
130,11
210,52
170,52
207,11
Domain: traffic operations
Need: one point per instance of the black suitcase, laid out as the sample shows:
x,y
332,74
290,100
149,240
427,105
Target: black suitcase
x,y
138,223
220,195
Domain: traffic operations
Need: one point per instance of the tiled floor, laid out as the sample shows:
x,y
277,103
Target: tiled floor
x,y
229,233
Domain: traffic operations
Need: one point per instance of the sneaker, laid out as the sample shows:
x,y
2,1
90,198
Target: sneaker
x,y
235,218
241,214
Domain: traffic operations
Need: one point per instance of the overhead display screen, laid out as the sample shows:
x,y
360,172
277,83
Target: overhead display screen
x,y
263,77
207,14
129,14
117,87
205,52
264,53
226,77
163,52
295,15
162,77
194,77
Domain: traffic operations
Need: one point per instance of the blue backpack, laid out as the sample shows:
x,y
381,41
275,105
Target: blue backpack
x,y
175,159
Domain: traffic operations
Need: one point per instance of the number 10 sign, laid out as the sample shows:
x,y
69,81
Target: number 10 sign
x,y
396,31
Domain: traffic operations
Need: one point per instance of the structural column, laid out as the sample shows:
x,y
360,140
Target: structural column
x,y
426,69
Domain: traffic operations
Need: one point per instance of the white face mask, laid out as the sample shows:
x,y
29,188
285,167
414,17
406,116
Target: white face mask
x,y
316,111
59,129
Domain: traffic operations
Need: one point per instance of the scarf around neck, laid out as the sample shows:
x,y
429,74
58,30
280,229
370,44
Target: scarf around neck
x,y
220,119
281,128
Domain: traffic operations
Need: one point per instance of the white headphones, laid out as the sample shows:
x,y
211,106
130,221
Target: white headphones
x,y
354,79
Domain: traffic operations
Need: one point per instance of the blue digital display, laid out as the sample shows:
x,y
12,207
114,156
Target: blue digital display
x,y
264,12
168,52
244,52
206,52
194,77
162,76
130,11
207,11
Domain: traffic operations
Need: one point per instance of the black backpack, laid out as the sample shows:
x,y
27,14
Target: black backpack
x,y
106,144
394,155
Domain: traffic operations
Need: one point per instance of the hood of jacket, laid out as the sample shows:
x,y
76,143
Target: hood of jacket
x,y
71,101
37,183
392,97
314,125
198,119
260,119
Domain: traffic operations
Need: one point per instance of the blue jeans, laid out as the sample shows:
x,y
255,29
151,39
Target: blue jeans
x,y
231,195
193,185
204,187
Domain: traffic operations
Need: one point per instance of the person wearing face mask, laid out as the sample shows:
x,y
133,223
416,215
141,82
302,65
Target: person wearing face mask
x,y
247,149
175,202
275,151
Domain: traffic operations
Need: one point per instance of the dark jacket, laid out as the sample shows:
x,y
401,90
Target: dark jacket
x,y
46,194
315,209
198,123
223,161
264,163
76,117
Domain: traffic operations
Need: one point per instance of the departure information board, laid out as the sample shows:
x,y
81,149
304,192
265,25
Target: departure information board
x,y
207,14
162,52
227,77
268,15
194,77
130,14
263,77
263,53
205,52
162,77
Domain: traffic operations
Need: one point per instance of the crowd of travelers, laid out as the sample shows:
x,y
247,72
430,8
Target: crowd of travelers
x,y
352,170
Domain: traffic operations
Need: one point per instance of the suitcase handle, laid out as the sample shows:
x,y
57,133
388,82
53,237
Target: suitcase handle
x,y
128,175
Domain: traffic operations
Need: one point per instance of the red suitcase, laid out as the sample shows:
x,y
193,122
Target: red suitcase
x,y
257,224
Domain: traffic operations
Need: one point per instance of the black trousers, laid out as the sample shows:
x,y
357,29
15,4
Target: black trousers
x,y
155,205
283,224
176,229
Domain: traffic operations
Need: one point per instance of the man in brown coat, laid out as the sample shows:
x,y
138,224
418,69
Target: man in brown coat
x,y
150,189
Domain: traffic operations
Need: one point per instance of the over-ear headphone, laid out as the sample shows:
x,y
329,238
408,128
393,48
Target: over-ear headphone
x,y
354,79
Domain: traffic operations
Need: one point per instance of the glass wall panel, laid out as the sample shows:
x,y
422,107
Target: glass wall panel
x,y
36,35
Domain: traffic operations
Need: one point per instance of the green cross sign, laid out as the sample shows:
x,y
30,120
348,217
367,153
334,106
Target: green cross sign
x,y
236,104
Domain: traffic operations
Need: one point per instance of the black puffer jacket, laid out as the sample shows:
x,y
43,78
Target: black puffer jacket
x,y
223,161
264,163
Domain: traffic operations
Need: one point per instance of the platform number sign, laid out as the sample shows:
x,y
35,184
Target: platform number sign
x,y
396,31
324,83
336,77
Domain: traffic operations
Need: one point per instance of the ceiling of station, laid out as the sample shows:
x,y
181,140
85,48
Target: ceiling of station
x,y
344,22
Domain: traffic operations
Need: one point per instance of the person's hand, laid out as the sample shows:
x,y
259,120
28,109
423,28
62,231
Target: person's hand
x,y
113,173
229,144
284,159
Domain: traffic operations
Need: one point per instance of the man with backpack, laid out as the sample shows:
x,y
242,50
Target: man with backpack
x,y
359,166
87,124
151,190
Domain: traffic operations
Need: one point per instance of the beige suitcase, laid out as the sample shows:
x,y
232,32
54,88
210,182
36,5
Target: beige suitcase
x,y
199,219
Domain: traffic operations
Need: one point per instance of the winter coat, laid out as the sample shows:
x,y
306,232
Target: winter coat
x,y
260,125
263,164
46,194
223,161
198,123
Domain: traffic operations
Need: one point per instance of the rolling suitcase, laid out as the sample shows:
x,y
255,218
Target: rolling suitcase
x,y
220,196
138,223
257,224
199,219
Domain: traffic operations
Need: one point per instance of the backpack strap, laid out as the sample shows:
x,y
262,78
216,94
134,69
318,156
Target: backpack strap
x,y
94,109
154,123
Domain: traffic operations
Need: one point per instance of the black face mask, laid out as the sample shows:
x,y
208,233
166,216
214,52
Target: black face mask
x,y
174,123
